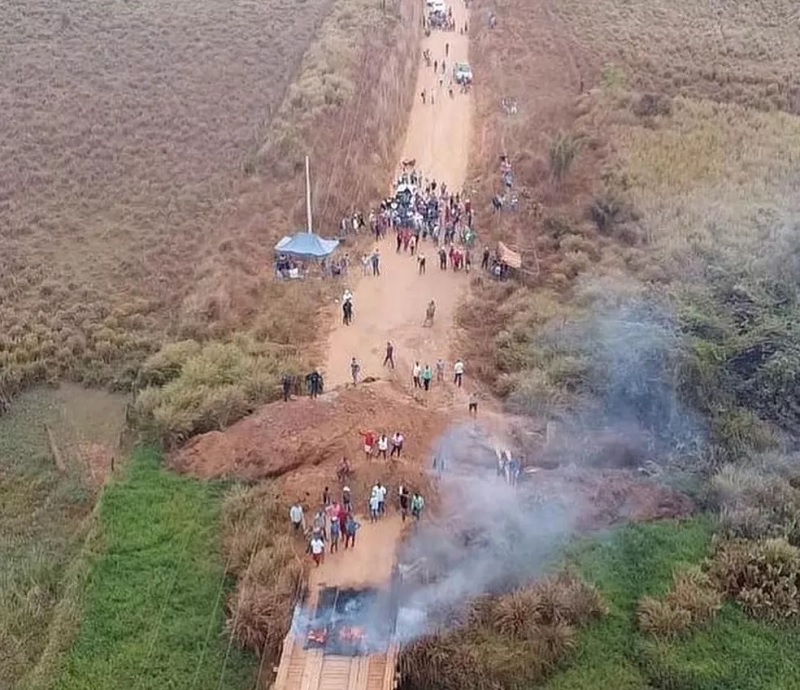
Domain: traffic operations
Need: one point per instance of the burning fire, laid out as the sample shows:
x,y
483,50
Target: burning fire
x,y
351,634
318,635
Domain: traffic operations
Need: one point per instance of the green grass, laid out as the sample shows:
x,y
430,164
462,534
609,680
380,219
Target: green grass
x,y
153,613
733,652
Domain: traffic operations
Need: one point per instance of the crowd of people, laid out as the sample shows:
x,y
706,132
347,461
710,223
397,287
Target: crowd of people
x,y
334,522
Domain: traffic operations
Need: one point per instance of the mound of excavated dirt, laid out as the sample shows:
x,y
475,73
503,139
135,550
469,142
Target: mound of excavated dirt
x,y
609,497
282,437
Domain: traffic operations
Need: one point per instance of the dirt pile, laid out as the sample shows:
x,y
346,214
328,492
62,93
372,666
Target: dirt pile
x,y
304,434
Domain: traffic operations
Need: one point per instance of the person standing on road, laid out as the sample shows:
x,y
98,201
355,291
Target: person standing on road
x,y
374,507
381,499
389,358
404,502
421,263
446,49
376,263
423,96
417,506
317,549
416,372
458,372
335,533
355,370
440,370
427,377
350,528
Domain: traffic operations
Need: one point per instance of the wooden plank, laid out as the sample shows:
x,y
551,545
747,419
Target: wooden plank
x,y
286,660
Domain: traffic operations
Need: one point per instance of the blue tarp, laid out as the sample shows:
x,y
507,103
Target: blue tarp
x,y
307,245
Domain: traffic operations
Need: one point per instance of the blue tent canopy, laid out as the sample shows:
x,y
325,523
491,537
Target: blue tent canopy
x,y
307,245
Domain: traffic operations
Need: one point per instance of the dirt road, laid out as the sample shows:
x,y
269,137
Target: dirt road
x,y
391,307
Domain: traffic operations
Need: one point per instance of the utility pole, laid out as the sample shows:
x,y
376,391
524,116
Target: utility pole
x,y
308,196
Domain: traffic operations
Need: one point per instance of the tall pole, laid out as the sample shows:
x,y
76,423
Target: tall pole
x,y
308,196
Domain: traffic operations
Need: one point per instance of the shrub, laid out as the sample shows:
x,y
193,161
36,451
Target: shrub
x,y
661,618
208,387
691,601
760,500
763,575
512,640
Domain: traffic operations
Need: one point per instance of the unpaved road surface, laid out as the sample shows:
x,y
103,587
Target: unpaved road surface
x,y
391,307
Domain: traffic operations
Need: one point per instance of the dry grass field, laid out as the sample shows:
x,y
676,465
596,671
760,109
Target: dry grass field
x,y
126,127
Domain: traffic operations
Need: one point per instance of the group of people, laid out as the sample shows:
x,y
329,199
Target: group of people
x,y
335,521
379,445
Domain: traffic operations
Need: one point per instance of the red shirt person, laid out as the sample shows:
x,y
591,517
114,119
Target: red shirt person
x,y
369,441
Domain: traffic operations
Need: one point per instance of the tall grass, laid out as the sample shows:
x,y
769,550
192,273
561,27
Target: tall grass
x,y
154,601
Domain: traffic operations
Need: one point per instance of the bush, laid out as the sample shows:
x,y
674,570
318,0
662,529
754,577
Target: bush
x,y
691,601
207,387
513,640
759,501
763,576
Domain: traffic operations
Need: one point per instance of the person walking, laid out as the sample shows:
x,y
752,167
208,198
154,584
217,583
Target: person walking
x,y
421,263
296,517
347,503
320,523
287,387
389,358
355,370
326,497
376,263
416,373
440,370
317,549
427,377
458,372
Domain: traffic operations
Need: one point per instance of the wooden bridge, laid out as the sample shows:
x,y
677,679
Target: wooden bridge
x,y
312,669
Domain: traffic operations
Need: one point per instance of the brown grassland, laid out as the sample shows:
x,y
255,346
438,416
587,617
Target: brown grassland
x,y
126,129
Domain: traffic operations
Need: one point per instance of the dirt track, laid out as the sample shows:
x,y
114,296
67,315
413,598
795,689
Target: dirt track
x,y
391,308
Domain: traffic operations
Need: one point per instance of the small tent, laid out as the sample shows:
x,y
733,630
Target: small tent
x,y
306,245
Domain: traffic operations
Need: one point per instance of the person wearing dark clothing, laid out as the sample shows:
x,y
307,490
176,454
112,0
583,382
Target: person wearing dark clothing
x,y
314,381
485,259
389,358
347,312
405,499
287,387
